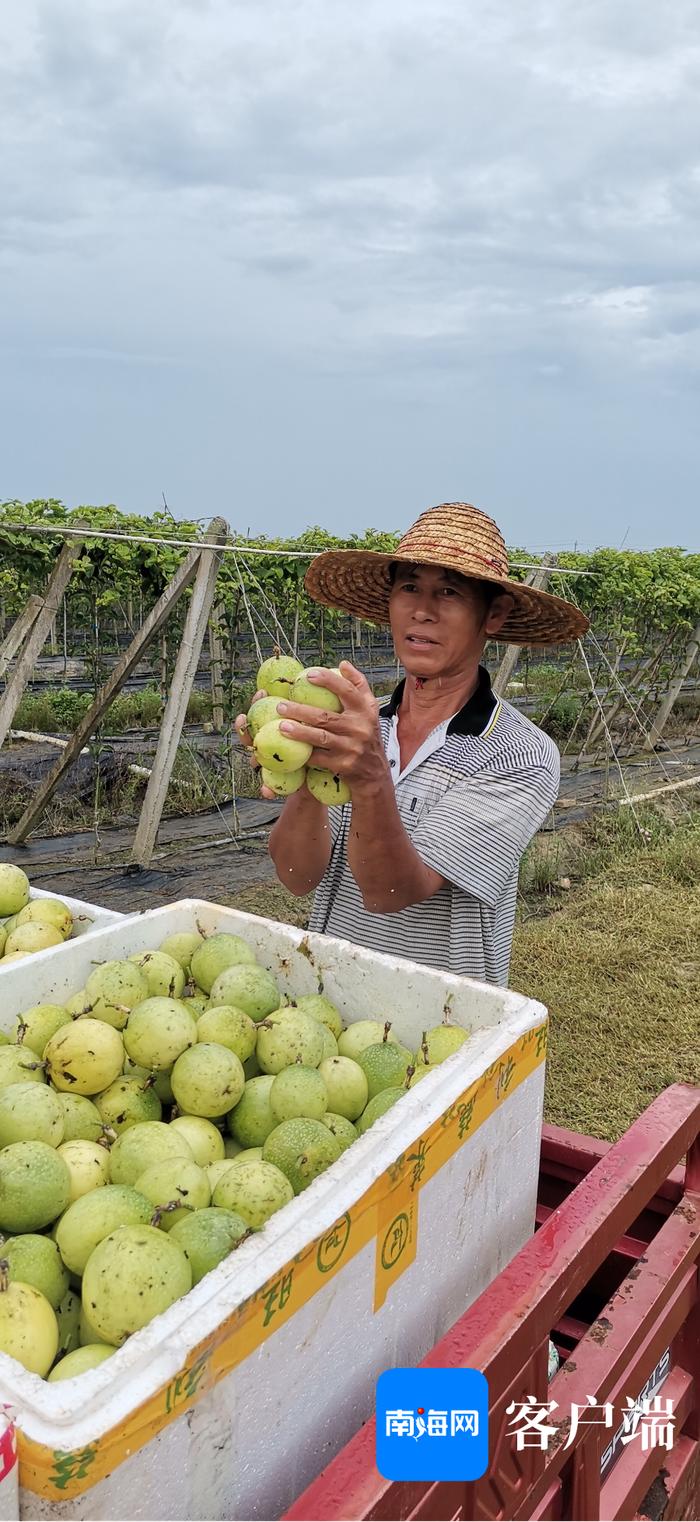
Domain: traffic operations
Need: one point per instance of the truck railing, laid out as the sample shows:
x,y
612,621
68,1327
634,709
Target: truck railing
x,y
635,1211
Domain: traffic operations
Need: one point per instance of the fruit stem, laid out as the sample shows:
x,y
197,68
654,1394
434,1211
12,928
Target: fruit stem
x,y
4,1275
149,1082
107,1138
387,1028
22,1029
162,1210
409,1074
424,1046
86,1011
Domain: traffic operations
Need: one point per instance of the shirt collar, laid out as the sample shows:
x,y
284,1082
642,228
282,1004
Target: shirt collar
x,y
472,719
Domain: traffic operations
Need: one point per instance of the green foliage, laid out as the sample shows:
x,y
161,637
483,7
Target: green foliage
x,y
541,677
134,710
52,712
639,599
558,718
57,713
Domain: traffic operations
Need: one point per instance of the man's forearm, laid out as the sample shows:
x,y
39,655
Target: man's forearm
x,y
387,869
300,843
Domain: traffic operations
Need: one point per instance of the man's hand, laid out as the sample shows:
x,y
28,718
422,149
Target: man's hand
x,y
349,744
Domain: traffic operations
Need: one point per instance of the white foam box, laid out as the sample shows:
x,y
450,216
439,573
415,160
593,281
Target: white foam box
x,y
87,918
231,1402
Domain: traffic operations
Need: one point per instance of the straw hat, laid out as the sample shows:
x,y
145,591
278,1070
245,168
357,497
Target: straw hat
x,y
455,536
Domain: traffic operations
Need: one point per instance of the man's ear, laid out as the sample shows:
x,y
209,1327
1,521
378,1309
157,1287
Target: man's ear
x,y
500,608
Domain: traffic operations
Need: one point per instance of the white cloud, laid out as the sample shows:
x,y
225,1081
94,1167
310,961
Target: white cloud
x,y
396,189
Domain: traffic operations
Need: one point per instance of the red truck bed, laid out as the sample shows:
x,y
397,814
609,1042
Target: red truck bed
x,y
612,1275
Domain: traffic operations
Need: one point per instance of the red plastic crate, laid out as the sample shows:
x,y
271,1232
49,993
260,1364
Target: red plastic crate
x,y
612,1274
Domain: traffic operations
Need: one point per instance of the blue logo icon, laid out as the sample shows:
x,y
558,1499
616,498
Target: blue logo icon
x,y
432,1424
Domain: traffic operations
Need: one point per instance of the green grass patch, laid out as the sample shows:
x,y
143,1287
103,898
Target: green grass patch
x,y
616,960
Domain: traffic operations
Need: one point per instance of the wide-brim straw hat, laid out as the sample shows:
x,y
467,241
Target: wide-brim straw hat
x,y
456,537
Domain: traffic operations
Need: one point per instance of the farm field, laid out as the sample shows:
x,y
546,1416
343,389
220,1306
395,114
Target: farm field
x,y
608,910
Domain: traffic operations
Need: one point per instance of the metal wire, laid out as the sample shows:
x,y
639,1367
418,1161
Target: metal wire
x,y
246,605
635,708
226,549
271,607
613,752
184,741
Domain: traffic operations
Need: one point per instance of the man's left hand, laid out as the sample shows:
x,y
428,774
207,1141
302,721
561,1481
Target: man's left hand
x,y
349,743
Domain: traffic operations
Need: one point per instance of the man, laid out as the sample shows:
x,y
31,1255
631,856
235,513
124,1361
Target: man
x,y
448,783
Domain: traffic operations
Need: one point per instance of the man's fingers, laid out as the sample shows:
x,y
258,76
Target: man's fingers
x,y
241,728
241,722
347,685
303,713
356,678
311,734
326,761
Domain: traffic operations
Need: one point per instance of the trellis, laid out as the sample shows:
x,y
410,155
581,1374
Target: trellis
x,y
199,571
207,614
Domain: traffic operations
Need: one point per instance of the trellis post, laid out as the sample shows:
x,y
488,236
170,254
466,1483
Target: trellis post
x,y
537,580
37,634
667,703
182,579
216,667
203,594
19,631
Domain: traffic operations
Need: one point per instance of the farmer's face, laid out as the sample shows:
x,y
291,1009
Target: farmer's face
x,y
439,619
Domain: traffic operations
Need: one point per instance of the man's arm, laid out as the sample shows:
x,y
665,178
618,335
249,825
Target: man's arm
x,y
300,843
387,869
301,840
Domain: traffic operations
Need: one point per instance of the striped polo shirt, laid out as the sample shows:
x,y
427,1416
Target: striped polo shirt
x,y
471,799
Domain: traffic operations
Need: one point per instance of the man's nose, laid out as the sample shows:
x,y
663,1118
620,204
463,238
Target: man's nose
x,y
424,610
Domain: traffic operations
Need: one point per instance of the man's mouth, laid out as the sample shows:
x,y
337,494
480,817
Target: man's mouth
x,y
421,641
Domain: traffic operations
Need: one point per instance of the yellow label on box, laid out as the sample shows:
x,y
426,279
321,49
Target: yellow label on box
x,y
397,1239
387,1213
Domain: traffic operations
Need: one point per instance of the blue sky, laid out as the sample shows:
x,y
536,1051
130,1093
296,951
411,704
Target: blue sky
x,y
312,263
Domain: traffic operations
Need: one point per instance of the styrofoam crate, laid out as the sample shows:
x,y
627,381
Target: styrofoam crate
x,y
229,1403
87,918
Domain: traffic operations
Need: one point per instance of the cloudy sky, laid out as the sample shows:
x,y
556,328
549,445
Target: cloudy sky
x,y
310,262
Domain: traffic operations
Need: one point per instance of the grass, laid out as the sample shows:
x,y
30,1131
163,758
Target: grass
x,y
59,712
615,958
618,969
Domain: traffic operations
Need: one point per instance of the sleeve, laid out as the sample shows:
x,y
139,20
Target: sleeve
x,y
477,832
